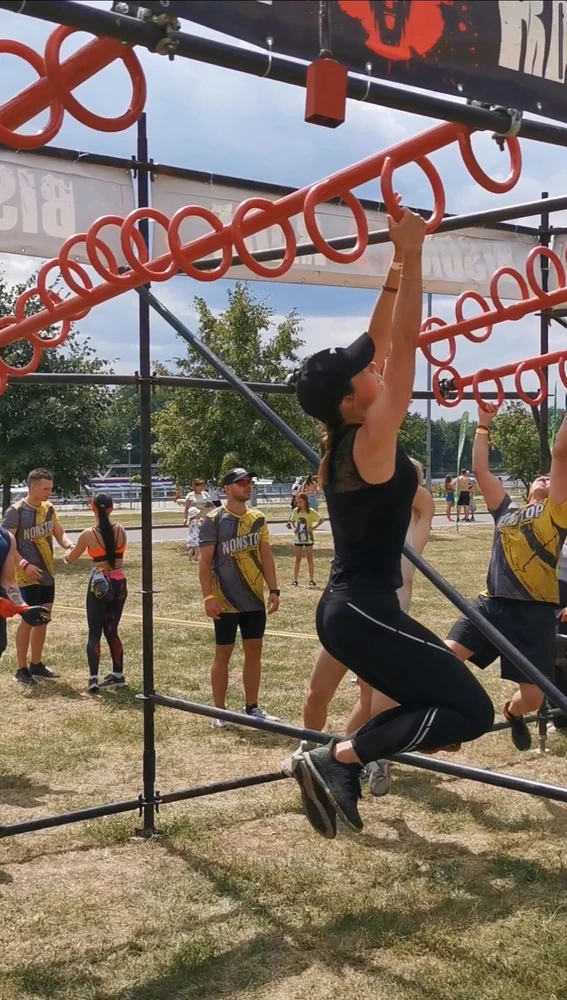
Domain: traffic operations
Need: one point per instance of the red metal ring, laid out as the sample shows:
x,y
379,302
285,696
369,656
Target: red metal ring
x,y
36,338
426,349
55,73
128,235
315,196
245,256
542,384
518,278
482,376
389,198
46,294
95,245
7,321
438,396
478,174
477,338
562,371
178,251
55,121
530,269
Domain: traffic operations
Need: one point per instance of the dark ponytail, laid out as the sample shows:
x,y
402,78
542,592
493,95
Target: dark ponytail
x,y
102,504
327,439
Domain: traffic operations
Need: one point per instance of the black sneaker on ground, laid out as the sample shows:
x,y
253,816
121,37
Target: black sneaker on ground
x,y
25,678
93,686
113,680
341,782
315,802
40,670
521,736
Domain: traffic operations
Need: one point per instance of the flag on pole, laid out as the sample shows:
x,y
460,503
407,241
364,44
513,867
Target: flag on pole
x,y
462,438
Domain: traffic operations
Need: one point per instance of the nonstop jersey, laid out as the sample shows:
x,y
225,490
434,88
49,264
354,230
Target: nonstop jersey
x,y
525,550
33,528
238,583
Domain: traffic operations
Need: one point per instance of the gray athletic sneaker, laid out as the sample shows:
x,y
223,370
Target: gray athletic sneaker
x,y
379,777
341,782
287,765
315,803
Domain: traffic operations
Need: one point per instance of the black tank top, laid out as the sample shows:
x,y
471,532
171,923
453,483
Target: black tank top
x,y
369,522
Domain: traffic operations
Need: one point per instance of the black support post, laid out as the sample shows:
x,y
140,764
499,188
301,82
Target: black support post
x,y
544,324
149,757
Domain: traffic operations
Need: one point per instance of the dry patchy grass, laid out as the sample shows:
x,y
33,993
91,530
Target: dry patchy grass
x,y
454,891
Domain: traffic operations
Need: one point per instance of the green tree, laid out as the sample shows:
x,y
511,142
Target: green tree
x,y
413,435
198,432
63,428
515,435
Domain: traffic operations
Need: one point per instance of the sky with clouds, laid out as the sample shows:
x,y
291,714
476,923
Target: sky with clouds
x,y
211,119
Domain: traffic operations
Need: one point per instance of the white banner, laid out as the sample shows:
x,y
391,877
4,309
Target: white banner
x,y
44,201
453,263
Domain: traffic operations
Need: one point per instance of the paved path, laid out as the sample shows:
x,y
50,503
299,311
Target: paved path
x,y
179,533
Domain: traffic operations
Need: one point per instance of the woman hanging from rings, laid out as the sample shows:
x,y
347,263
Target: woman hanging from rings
x,y
369,484
107,591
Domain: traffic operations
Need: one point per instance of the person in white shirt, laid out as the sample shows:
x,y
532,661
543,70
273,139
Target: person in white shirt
x,y
197,497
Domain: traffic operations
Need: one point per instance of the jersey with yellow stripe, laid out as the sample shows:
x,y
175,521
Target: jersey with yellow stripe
x,y
525,551
33,528
238,583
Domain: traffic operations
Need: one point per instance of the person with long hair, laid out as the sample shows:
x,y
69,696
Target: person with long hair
x,y
304,521
449,496
369,484
107,591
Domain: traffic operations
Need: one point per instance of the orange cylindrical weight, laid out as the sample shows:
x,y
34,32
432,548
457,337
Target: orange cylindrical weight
x,y
326,86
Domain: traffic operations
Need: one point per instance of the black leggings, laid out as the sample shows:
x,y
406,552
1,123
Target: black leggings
x,y
440,702
104,616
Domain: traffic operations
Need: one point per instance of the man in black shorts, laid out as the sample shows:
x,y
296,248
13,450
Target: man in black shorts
x,y
522,595
236,559
34,523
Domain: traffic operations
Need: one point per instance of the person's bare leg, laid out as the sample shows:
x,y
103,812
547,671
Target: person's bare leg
x,y
37,642
528,698
310,562
252,670
297,566
219,674
325,679
23,634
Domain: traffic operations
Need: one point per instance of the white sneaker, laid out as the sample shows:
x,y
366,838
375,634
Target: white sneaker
x,y
259,713
288,765
379,777
220,724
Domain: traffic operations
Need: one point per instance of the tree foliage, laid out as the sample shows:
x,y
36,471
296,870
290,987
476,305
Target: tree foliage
x,y
515,435
65,428
203,432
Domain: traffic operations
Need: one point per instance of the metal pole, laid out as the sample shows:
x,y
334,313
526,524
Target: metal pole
x,y
544,324
412,759
281,69
428,410
149,758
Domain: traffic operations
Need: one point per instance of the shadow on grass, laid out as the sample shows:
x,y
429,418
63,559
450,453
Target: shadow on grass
x,y
57,689
19,790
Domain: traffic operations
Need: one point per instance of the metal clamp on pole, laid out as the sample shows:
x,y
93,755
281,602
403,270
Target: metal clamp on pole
x,y
512,117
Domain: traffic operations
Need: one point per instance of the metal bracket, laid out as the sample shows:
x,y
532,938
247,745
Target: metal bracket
x,y
446,387
514,116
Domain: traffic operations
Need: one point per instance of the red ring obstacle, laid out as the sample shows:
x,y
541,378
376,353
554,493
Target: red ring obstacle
x,y
484,322
57,80
251,217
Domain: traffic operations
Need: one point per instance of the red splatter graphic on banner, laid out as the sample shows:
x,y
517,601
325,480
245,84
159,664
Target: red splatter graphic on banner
x,y
398,29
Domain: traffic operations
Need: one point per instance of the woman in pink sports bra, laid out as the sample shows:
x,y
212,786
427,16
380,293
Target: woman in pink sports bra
x,y
107,592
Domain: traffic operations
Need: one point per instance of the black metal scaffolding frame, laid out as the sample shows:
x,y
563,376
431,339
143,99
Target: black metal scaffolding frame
x,y
150,799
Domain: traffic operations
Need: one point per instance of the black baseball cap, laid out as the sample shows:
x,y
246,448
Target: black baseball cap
x,y
324,380
234,475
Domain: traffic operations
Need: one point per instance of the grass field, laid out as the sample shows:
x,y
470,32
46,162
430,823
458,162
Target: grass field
x,y
454,891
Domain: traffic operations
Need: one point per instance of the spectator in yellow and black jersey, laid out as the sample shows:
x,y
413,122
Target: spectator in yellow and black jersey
x,y
522,594
34,524
236,560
